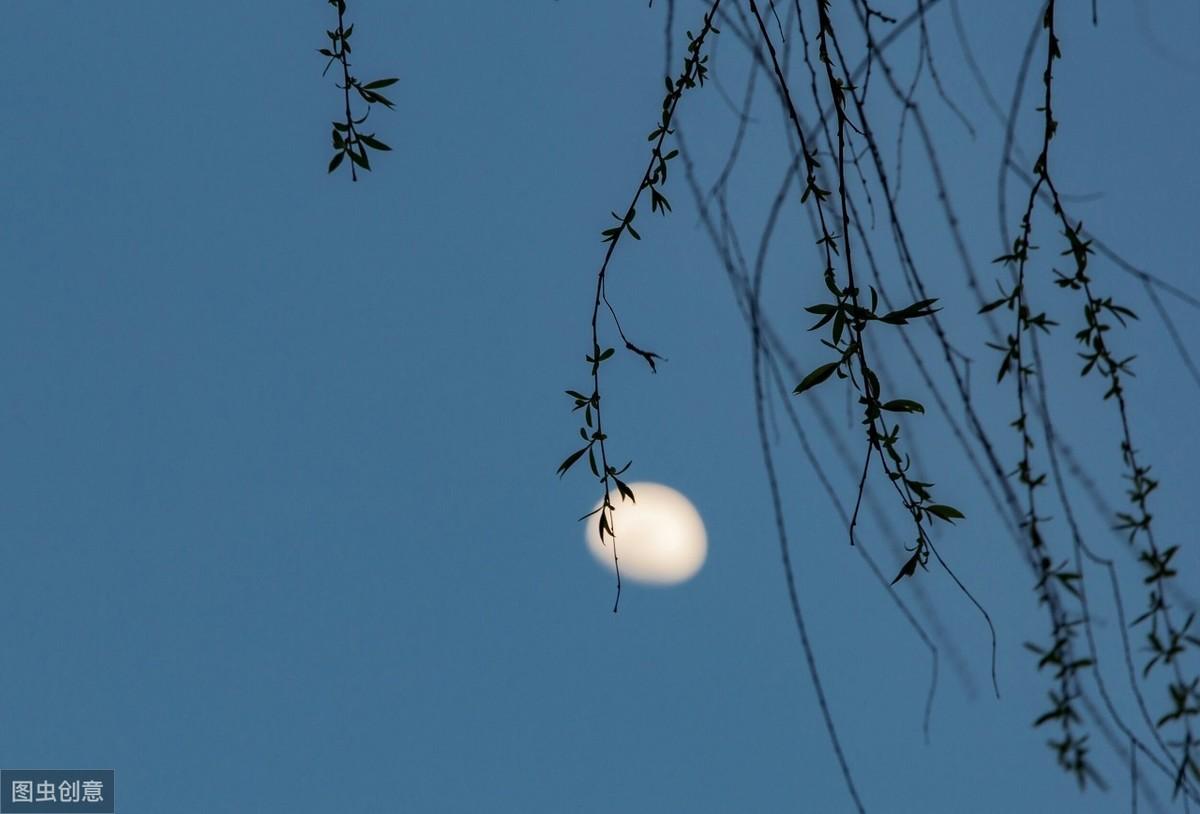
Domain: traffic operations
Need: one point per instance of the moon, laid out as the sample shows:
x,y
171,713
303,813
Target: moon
x,y
660,538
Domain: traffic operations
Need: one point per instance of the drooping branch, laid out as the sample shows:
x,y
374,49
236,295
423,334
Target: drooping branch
x,y
347,139
653,178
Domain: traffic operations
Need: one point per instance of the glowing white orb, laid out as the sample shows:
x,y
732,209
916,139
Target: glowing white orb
x,y
660,538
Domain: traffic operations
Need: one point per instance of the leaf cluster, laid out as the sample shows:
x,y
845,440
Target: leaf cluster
x,y
593,437
847,318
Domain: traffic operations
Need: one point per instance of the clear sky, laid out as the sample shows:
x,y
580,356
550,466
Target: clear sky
x,y
278,513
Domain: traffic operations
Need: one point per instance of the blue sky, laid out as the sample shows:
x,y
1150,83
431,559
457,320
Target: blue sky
x,y
280,524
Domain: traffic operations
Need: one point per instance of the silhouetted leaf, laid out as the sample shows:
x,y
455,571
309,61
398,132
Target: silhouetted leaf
x,y
909,568
904,406
625,491
947,513
374,143
571,459
816,377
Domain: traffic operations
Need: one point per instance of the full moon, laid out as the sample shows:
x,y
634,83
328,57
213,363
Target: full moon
x,y
660,538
